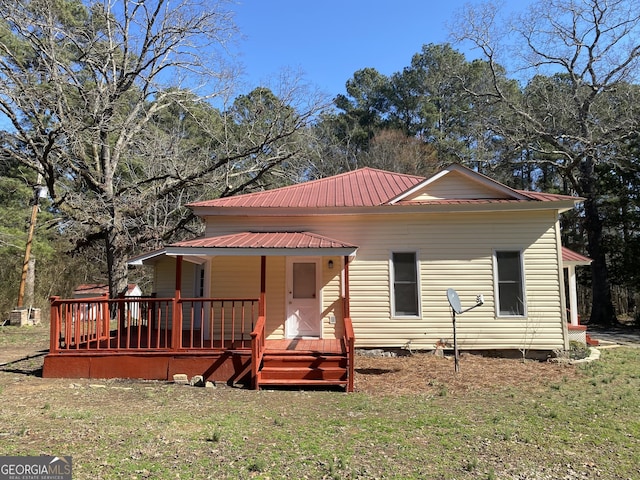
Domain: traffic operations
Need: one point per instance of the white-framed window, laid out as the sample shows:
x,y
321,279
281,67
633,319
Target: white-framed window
x,y
200,280
509,283
405,294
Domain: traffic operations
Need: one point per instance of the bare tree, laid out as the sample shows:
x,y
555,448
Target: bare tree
x,y
580,59
393,150
85,85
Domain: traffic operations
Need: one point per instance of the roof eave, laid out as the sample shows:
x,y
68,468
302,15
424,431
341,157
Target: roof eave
x,y
259,251
560,205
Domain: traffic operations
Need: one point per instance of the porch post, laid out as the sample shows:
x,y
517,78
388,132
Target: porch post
x,y
54,319
573,295
176,339
263,285
345,307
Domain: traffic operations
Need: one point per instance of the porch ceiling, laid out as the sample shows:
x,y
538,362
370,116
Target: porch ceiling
x,y
254,243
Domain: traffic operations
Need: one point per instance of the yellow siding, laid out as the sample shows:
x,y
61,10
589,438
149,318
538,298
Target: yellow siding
x,y
240,277
458,186
165,278
454,251
331,302
165,281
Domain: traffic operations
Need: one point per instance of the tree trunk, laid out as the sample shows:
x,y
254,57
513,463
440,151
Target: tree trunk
x,y
602,311
116,263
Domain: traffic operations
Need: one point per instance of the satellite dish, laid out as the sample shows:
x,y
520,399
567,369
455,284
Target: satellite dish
x,y
454,300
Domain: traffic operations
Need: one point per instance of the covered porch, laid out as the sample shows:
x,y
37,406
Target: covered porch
x,y
571,260
224,338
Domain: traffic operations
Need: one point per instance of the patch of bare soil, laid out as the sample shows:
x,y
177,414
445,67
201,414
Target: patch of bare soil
x,y
424,373
22,351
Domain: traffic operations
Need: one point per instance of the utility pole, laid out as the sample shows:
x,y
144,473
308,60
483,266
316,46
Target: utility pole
x,y
30,234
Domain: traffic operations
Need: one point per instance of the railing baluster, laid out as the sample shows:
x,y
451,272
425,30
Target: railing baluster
x,y
233,328
202,316
211,318
242,323
222,325
127,326
84,324
148,315
166,327
66,322
118,329
131,312
78,326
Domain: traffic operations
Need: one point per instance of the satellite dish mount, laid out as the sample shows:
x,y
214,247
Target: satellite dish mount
x,y
456,309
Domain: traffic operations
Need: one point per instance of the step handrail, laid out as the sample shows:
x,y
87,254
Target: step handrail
x,y
349,342
257,350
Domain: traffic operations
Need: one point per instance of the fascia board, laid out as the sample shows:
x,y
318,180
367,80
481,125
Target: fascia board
x,y
561,206
240,252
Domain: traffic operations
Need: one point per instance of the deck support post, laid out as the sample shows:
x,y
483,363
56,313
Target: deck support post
x,y
346,312
176,328
263,286
349,336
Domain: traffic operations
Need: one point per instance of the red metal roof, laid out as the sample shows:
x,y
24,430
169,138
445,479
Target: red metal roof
x,y
547,197
365,187
569,256
265,240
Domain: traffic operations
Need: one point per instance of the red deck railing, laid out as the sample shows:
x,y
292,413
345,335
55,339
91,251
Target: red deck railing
x,y
141,323
258,338
185,325
350,345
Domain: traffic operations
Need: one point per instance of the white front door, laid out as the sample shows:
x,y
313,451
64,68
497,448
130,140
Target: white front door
x,y
303,297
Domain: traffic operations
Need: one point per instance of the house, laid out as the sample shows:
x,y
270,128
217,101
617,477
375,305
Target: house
x,y
92,290
286,283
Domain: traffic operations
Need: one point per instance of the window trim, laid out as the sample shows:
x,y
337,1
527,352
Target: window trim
x,y
392,290
496,283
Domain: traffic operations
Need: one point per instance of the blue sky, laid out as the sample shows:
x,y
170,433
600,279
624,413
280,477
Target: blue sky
x,y
329,40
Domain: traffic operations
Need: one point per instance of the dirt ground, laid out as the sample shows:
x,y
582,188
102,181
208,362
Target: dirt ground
x,y
419,373
423,373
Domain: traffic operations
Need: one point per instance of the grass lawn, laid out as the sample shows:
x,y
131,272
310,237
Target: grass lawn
x,y
581,423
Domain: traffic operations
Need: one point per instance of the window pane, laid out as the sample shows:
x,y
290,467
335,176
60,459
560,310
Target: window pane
x,y
405,267
508,266
510,291
406,299
405,287
510,299
304,280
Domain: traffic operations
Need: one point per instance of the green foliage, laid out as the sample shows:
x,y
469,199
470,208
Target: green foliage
x,y
571,127
94,95
56,272
578,350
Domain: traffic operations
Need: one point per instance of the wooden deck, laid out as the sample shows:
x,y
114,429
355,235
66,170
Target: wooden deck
x,y
332,346
88,341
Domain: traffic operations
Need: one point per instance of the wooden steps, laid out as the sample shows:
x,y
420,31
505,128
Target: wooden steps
x,y
303,368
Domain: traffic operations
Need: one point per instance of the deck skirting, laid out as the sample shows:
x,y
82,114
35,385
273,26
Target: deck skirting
x,y
225,366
